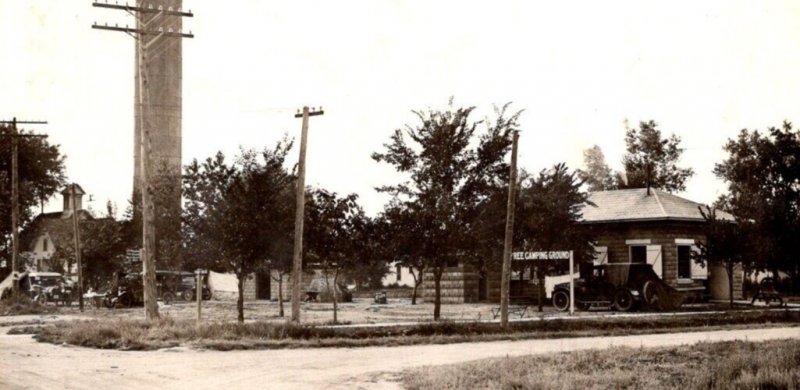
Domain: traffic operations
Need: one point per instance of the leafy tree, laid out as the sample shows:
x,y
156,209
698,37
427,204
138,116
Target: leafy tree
x,y
41,175
335,234
548,216
102,249
401,237
281,262
449,180
652,160
597,176
169,240
235,213
726,243
762,172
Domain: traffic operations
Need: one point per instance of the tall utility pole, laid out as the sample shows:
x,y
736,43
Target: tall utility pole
x,y
77,235
149,30
297,259
505,282
15,194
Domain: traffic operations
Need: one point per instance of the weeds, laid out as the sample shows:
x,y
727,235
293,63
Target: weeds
x,y
721,365
168,332
23,305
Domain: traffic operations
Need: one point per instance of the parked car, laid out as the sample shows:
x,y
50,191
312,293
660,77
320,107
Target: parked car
x,y
128,290
189,286
45,287
621,286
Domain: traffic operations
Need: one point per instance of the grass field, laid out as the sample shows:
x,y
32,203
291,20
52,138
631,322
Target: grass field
x,y
141,335
724,365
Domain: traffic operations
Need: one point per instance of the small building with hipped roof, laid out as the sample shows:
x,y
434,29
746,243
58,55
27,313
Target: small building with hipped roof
x,y
652,226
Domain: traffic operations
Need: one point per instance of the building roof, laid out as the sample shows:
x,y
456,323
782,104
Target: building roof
x,y
78,189
59,229
634,204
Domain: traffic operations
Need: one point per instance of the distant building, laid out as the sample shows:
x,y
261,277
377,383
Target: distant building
x,y
48,241
398,275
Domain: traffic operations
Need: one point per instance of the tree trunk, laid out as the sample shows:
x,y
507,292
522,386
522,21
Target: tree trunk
x,y
240,300
417,282
437,287
540,287
729,267
280,293
335,306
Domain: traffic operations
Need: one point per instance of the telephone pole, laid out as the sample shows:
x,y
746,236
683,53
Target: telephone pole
x,y
15,193
505,282
76,228
151,28
297,259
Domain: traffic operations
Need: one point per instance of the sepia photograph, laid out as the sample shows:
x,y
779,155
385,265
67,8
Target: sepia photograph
x,y
399,194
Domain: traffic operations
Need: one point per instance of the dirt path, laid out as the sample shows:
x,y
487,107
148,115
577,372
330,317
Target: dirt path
x,y
24,363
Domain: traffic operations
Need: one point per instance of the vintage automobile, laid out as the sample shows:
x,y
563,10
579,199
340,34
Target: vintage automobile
x,y
189,285
45,287
128,289
622,286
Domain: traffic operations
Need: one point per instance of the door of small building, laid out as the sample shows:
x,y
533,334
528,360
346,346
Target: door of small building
x,y
263,285
483,284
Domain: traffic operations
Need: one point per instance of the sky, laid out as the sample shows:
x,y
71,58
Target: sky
x,y
702,70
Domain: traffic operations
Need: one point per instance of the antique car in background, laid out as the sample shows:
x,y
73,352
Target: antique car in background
x,y
128,290
622,286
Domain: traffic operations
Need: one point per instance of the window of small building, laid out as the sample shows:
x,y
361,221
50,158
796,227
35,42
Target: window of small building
x,y
638,254
684,262
44,244
399,270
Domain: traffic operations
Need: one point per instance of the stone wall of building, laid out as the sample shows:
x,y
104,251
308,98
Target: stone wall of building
x,y
459,285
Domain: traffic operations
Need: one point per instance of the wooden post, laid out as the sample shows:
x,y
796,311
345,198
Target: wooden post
x,y
571,284
14,208
505,283
15,196
199,292
77,241
300,201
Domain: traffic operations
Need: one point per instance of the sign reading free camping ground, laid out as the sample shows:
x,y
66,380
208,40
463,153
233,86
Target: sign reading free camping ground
x,y
543,255
552,255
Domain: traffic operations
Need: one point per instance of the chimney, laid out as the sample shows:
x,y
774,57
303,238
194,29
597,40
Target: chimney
x,y
67,194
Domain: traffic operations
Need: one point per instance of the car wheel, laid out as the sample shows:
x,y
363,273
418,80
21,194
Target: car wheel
x,y
623,300
126,300
189,295
168,297
561,300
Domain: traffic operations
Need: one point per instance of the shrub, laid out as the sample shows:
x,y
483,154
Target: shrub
x,y
23,304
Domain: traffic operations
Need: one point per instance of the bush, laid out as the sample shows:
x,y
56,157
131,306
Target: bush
x,y
23,304
139,334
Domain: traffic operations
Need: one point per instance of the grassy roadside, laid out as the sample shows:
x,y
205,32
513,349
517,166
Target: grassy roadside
x,y
142,335
23,305
721,365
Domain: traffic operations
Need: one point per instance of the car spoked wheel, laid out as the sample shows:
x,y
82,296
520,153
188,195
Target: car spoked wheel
x,y
561,300
168,297
623,300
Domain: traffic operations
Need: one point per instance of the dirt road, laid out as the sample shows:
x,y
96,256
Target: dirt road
x,y
25,363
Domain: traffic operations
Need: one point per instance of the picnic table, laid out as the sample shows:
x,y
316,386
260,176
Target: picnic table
x,y
519,310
